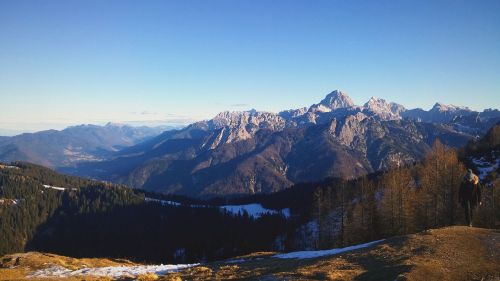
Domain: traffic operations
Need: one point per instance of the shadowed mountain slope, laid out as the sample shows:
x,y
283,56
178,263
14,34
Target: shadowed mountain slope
x,y
75,144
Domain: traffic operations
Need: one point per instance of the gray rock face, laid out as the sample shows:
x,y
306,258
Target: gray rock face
x,y
383,109
292,113
253,120
334,100
350,129
439,113
238,126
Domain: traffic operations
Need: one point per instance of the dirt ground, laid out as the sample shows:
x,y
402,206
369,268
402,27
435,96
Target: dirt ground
x,y
452,253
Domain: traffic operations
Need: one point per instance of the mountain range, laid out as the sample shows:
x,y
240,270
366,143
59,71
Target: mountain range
x,y
53,148
251,152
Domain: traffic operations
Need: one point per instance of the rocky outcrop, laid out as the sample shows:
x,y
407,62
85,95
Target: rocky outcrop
x,y
384,110
333,101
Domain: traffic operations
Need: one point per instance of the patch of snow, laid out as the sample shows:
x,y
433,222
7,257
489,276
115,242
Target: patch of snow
x,y
480,161
57,187
485,167
285,212
8,167
162,202
237,261
110,271
54,187
243,260
254,210
55,270
385,110
448,107
322,253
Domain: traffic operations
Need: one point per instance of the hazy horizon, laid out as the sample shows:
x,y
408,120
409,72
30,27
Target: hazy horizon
x,y
179,123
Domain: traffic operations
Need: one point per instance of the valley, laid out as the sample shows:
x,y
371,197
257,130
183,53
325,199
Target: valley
x,y
83,143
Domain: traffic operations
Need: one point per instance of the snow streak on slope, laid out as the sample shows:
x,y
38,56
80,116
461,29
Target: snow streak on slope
x,y
57,187
254,210
322,253
485,167
110,271
162,202
8,167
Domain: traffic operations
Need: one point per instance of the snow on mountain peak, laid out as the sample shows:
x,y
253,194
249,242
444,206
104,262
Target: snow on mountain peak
x,y
334,100
244,124
292,113
448,107
240,125
375,102
337,99
385,110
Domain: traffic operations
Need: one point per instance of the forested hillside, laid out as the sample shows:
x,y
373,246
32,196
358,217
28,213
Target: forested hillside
x,y
97,219
32,203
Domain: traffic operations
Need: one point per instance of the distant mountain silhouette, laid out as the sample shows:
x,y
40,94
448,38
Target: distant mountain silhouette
x,y
54,148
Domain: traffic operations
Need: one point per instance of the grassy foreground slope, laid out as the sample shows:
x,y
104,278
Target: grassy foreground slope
x,y
451,253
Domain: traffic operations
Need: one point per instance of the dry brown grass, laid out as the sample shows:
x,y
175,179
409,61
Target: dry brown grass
x,y
454,253
147,277
18,266
38,260
12,274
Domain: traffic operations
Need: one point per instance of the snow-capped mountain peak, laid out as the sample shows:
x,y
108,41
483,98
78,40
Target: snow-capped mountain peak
x,y
383,109
292,113
337,99
334,100
375,102
441,107
235,126
240,125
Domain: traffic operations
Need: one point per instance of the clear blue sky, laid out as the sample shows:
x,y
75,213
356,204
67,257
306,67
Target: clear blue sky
x,y
69,62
